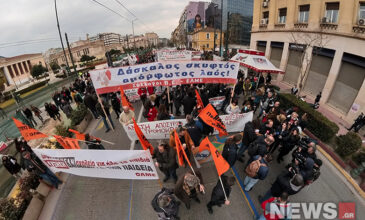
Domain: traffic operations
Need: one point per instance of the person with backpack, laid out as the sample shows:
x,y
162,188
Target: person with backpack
x,y
218,198
165,204
255,171
259,147
230,148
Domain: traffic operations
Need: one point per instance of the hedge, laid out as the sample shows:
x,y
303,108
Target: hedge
x,y
348,144
318,124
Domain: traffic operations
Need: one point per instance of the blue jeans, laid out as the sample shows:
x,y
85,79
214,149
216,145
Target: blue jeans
x,y
106,122
51,178
249,182
242,150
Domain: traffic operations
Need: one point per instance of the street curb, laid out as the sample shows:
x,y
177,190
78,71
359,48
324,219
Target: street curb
x,y
322,148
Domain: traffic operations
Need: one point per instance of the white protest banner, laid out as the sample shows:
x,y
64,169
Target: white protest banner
x,y
168,73
161,129
217,102
113,164
173,55
132,94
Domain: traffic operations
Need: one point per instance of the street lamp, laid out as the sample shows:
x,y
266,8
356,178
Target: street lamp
x,y
59,32
134,38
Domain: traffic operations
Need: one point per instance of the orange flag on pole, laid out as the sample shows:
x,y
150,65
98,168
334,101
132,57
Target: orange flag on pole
x,y
199,101
211,118
220,163
124,98
27,132
67,143
144,142
81,136
204,145
180,151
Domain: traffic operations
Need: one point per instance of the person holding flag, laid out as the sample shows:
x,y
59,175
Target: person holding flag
x,y
185,140
166,160
218,197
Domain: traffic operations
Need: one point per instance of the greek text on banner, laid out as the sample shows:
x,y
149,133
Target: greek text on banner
x,y
168,73
161,129
113,164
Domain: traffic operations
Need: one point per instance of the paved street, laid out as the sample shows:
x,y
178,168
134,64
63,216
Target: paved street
x,y
91,198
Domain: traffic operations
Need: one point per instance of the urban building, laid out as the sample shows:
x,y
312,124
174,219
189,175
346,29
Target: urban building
x,y
320,46
240,19
138,41
203,39
152,39
107,38
163,42
16,70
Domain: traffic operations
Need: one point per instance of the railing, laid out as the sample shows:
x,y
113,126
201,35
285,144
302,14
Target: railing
x,y
358,29
280,25
329,26
301,25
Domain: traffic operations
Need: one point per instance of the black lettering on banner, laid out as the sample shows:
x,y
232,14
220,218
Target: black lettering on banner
x,y
217,153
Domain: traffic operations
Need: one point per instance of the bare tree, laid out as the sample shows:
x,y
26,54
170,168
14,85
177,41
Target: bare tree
x,y
307,41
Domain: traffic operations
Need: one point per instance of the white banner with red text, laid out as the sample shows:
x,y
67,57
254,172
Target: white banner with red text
x,y
161,129
113,164
173,55
168,73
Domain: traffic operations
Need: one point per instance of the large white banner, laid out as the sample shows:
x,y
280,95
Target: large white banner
x,y
167,73
161,129
113,164
173,55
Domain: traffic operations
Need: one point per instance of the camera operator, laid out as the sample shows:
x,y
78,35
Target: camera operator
x,y
307,148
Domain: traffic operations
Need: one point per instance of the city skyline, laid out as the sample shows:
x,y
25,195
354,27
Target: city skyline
x,y
31,26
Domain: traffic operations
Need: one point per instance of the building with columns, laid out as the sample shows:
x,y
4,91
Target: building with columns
x,y
318,43
16,70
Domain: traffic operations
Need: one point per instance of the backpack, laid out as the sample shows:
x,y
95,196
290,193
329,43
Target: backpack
x,y
253,148
253,168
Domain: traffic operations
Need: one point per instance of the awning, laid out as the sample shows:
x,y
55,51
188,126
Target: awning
x,y
256,61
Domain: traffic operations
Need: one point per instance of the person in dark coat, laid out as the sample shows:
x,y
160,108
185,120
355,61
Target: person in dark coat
x,y
189,103
93,143
162,113
194,131
289,143
28,113
249,136
188,186
230,149
307,169
166,160
116,105
284,183
178,97
100,111
90,101
11,165
218,197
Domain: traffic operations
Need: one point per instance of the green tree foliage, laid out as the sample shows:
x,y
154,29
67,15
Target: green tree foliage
x,y
348,144
38,70
86,58
55,66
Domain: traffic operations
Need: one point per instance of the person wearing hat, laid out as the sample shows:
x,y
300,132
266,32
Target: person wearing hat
x,y
166,160
188,186
165,204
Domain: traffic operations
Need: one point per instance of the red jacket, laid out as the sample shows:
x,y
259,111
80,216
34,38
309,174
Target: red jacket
x,y
152,113
271,215
142,91
150,90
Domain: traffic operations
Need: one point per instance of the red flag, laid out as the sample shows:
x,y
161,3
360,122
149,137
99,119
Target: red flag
x,y
144,142
199,101
211,118
67,143
27,132
220,163
81,136
124,98
180,151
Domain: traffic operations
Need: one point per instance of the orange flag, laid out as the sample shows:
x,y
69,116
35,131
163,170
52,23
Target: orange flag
x,y
27,132
180,150
144,142
199,101
220,163
204,145
81,136
124,98
67,143
211,118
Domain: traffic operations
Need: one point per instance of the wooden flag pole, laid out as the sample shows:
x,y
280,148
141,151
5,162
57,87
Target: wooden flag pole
x,y
224,191
106,116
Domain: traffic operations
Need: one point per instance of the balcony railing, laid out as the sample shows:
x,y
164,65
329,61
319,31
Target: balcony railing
x,y
329,26
358,29
263,26
301,25
280,25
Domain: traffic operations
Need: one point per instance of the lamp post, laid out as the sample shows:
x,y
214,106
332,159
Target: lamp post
x,y
134,38
214,26
220,38
59,32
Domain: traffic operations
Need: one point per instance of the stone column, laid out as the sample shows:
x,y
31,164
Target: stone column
x,y
8,76
268,50
360,101
284,61
332,76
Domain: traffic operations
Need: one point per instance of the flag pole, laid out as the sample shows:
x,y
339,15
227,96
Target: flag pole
x,y
106,116
224,191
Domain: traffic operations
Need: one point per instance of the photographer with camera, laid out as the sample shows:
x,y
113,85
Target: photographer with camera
x,y
289,142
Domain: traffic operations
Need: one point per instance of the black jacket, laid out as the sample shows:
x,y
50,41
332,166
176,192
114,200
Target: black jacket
x,y
189,104
13,168
249,134
282,184
90,101
194,132
217,193
167,159
230,153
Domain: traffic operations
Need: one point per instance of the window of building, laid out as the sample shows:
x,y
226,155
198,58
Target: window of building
x,y
16,69
78,53
332,9
362,10
216,36
282,16
303,13
265,15
21,68
208,35
11,71
207,45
